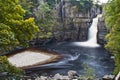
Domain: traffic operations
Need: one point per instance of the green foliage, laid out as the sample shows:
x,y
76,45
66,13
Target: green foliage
x,y
112,11
7,37
45,20
13,72
27,5
14,30
112,14
89,73
5,66
51,3
82,5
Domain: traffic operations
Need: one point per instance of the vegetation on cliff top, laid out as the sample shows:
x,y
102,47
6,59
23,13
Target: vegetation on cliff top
x,y
112,17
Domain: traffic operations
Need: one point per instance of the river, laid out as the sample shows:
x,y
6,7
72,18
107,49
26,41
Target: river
x,y
79,56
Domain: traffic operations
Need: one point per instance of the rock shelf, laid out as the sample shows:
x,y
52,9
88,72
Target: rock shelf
x,y
32,58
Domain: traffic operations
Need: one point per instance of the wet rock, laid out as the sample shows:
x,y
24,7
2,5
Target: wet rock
x,y
112,57
102,31
72,74
117,76
58,77
42,78
3,73
108,77
65,78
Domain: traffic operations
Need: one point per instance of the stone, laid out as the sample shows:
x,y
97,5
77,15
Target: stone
x,y
117,76
102,31
108,77
65,78
58,77
112,57
72,74
42,78
3,73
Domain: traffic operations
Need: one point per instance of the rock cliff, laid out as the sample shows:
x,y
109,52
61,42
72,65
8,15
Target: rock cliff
x,y
102,31
74,24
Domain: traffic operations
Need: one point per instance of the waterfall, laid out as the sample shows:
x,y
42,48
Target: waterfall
x,y
92,35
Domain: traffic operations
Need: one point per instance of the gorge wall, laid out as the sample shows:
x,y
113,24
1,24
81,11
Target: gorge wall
x,y
74,24
102,31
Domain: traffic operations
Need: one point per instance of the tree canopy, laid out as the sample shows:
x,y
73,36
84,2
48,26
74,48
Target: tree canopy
x,y
112,16
82,5
14,29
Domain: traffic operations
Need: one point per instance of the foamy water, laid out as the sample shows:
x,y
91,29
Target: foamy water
x,y
92,35
28,58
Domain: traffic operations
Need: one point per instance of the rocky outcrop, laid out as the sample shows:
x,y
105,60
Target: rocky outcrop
x,y
108,77
102,31
74,24
78,31
72,75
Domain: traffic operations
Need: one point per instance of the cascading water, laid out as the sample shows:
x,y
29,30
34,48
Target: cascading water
x,y
92,40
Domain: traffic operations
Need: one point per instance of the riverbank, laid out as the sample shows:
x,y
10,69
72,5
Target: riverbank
x,y
71,75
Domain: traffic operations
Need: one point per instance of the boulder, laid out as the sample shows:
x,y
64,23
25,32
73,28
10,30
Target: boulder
x,y
108,77
58,77
72,74
117,76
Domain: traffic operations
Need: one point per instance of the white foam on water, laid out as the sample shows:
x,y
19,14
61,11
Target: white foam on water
x,y
28,58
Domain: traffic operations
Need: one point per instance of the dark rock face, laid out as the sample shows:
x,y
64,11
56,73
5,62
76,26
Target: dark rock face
x,y
102,31
73,25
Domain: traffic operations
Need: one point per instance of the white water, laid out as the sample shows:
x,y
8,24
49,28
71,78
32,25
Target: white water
x,y
92,35
28,58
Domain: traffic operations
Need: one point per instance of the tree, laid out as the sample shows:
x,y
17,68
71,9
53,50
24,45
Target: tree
x,y
112,16
14,29
82,5
45,20
12,71
51,3
28,6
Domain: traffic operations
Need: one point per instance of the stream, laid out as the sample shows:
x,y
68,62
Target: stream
x,y
78,56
